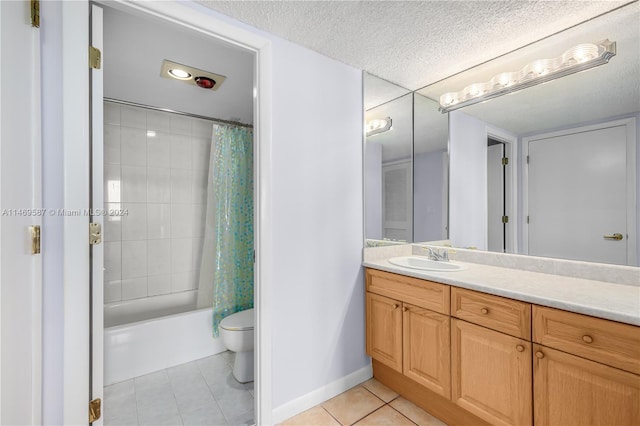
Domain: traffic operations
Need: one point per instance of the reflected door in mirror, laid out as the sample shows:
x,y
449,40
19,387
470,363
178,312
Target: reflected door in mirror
x,y
397,212
577,195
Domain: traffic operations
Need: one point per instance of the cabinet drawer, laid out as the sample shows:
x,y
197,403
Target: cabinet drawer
x,y
498,313
422,293
600,340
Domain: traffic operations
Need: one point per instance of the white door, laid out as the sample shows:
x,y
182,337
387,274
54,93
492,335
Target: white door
x,y
495,198
20,203
397,202
97,205
577,196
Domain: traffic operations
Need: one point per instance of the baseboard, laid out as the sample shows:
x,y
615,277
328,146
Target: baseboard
x,y
321,395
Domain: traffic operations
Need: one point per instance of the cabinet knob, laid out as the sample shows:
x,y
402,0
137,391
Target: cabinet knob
x,y
405,309
587,339
396,306
539,355
484,311
520,348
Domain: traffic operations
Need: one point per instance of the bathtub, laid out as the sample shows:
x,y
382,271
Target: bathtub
x,y
166,331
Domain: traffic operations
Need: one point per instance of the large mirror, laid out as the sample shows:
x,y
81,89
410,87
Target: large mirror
x,y
550,170
406,166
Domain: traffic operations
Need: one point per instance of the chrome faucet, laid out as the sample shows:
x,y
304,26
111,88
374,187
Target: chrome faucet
x,y
437,254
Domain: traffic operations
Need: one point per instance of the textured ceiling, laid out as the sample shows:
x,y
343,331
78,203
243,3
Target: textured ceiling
x,y
412,43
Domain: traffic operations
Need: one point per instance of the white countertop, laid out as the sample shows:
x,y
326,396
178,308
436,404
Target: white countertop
x,y
617,302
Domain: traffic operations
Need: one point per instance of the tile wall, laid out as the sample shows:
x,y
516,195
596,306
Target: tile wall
x,y
155,169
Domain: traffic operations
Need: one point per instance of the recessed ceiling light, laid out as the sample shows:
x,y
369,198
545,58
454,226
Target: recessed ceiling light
x,y
180,74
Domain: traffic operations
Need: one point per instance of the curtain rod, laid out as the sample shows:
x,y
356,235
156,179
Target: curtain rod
x,y
188,114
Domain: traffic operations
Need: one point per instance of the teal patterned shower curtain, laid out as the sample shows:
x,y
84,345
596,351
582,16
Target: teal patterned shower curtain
x,y
226,273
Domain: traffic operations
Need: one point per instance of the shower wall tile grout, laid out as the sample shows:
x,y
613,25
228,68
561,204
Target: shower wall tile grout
x,y
156,171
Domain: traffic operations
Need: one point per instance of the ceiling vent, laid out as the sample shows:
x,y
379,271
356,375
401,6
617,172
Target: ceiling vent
x,y
194,76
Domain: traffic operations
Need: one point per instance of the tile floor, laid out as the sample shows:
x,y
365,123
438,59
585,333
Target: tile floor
x,y
201,392
371,403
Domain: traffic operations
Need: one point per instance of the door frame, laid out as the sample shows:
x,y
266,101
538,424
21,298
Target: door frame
x,y
76,248
511,187
630,125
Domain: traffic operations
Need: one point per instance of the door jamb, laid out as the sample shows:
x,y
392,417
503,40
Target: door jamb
x,y
76,97
511,187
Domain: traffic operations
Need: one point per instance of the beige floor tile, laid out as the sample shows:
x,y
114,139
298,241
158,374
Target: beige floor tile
x,y
380,390
352,405
385,416
415,413
317,416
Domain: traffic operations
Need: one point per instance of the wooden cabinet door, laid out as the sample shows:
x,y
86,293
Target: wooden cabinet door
x,y
569,390
426,348
491,374
384,330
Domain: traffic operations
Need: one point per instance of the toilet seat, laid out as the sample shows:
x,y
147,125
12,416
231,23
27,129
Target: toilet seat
x,y
240,321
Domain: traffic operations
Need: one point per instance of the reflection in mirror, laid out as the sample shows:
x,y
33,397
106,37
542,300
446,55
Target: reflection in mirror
x,y
571,181
388,164
431,171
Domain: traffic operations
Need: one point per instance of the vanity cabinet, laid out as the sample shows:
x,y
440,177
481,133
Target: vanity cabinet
x,y
410,339
491,374
473,358
426,349
573,391
585,370
384,330
491,357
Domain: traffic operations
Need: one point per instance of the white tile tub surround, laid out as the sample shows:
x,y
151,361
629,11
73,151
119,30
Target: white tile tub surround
x,y
141,347
156,170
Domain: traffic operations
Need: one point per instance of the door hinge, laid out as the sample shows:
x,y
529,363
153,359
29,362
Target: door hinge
x,y
95,58
527,219
95,409
35,239
35,13
95,233
527,159
505,219
505,161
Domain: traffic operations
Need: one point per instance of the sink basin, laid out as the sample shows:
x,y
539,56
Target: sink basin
x,y
417,262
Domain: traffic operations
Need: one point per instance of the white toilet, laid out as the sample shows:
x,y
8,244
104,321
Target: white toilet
x,y
236,332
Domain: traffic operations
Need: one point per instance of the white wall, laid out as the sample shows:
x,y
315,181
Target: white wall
x,y
317,286
468,181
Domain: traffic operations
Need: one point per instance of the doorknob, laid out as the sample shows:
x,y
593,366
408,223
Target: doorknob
x,y
615,236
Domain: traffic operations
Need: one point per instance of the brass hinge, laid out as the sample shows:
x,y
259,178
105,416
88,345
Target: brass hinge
x,y
505,219
95,58
95,410
35,239
505,161
35,13
95,234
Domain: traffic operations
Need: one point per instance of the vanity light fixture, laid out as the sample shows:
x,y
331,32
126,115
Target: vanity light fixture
x,y
377,126
576,59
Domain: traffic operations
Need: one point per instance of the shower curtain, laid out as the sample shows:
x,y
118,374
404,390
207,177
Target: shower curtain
x,y
226,272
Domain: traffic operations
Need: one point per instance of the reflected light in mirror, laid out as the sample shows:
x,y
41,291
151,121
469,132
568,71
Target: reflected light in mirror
x,y
578,58
378,126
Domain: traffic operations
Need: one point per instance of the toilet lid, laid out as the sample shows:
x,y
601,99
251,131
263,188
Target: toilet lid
x,y
242,320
